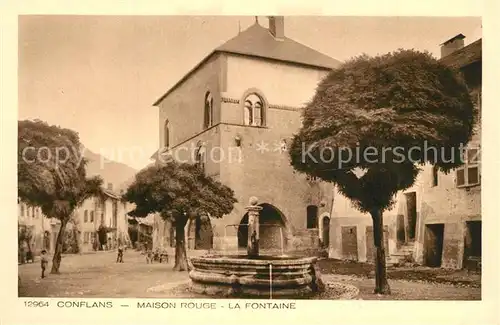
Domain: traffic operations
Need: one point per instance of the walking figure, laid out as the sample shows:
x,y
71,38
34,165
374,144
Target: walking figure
x,y
44,262
149,256
119,258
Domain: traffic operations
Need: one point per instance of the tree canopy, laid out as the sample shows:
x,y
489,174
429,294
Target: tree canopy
x,y
51,174
173,188
51,169
397,106
178,192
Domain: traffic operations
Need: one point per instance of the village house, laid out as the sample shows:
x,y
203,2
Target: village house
x,y
233,114
108,211
437,222
42,230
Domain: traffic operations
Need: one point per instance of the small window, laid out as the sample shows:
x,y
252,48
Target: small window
x,y
92,216
208,111
86,237
22,210
166,135
253,110
435,175
312,217
85,216
469,173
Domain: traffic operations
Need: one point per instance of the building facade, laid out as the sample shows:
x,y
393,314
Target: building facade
x,y
108,211
234,114
437,222
42,230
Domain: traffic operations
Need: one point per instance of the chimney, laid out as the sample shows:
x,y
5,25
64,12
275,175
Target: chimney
x,y
277,27
452,45
110,186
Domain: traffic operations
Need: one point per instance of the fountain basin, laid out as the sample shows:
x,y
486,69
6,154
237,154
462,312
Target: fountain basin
x,y
240,276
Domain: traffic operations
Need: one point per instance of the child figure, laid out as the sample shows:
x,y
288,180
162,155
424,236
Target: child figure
x,y
119,258
44,262
149,256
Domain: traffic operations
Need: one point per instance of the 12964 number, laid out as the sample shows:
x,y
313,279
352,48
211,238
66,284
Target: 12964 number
x,y
36,304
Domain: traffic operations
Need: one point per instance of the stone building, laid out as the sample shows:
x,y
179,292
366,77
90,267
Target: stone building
x,y
108,211
43,231
233,114
437,222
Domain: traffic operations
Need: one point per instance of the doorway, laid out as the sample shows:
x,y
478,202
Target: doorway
x,y
472,242
411,214
326,231
433,244
272,229
400,230
349,243
203,233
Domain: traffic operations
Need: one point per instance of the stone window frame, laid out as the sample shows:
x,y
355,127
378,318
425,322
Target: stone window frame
x,y
471,162
263,109
208,110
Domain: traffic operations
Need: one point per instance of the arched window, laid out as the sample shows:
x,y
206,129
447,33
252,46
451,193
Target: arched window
x,y
253,110
312,217
208,111
200,156
166,135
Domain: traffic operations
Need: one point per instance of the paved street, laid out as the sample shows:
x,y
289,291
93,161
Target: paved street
x,y
97,275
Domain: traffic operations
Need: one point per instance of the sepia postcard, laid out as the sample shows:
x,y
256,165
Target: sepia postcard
x,y
198,166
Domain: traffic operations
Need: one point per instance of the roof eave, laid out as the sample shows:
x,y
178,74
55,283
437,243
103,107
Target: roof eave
x,y
453,58
159,100
317,66
178,83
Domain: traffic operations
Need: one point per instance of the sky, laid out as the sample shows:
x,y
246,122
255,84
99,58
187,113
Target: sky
x,y
100,75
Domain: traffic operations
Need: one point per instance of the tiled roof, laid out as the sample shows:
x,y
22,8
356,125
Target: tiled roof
x,y
111,194
465,56
257,41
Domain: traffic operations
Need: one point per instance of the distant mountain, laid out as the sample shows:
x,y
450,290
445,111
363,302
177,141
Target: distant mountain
x,y
112,172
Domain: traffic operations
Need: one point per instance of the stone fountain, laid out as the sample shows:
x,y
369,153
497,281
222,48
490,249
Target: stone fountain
x,y
255,275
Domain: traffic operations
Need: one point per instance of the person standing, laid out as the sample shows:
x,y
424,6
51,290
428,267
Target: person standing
x,y
44,261
119,258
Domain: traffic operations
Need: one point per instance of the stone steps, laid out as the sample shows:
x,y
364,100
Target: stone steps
x,y
402,255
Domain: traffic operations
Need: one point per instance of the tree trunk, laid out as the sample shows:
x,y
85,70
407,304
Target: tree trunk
x,y
381,284
181,263
56,260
